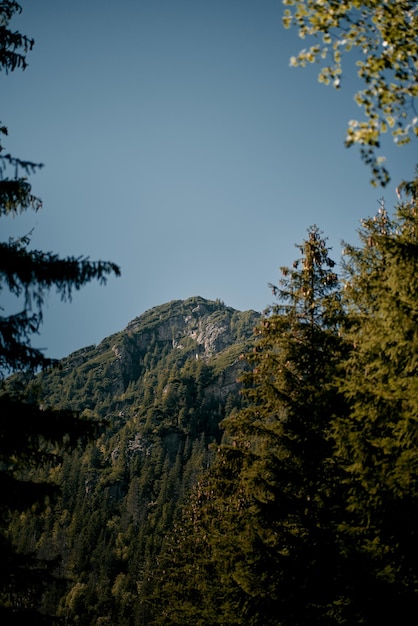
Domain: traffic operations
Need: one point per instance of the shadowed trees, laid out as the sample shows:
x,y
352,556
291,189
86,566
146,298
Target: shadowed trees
x,y
30,435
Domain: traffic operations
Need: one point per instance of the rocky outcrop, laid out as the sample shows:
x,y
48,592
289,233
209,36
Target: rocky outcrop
x,y
163,339
197,327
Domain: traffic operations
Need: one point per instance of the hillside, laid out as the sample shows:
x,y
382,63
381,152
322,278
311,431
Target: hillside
x,y
160,387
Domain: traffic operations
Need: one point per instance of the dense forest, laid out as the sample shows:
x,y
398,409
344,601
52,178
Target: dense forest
x,y
288,498
209,466
159,390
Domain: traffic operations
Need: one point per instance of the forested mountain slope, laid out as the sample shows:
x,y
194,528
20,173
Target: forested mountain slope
x,y
160,388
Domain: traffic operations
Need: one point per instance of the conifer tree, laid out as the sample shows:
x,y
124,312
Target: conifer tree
x,y
378,440
30,435
264,513
286,554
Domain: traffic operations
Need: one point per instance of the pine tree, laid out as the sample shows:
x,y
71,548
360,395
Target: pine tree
x,y
378,440
31,436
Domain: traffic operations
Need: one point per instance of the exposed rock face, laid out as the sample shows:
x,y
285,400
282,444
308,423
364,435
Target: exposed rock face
x,y
170,334
196,325
210,324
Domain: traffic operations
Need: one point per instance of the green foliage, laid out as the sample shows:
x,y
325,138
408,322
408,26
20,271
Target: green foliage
x,y
302,509
308,513
162,388
292,503
32,438
28,275
378,440
384,36
31,274
14,46
265,544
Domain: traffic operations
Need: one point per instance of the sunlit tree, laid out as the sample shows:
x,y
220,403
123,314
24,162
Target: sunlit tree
x,y
377,440
382,37
262,525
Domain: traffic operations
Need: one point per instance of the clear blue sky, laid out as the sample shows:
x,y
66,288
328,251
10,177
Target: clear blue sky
x,y
178,142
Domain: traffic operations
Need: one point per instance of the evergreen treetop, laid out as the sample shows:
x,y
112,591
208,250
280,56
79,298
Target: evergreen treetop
x,y
262,517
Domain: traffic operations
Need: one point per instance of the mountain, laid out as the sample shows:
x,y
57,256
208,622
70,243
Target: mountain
x,y
166,336
160,389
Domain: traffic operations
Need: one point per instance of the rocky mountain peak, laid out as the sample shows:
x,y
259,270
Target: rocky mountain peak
x,y
165,337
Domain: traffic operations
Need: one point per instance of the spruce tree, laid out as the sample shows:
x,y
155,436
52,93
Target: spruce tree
x,y
287,559
377,441
263,528
31,436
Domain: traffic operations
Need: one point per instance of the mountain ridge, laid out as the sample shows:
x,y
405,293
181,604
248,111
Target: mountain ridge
x,y
196,327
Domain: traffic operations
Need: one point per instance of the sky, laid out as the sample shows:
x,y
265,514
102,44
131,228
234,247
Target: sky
x,y
179,143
